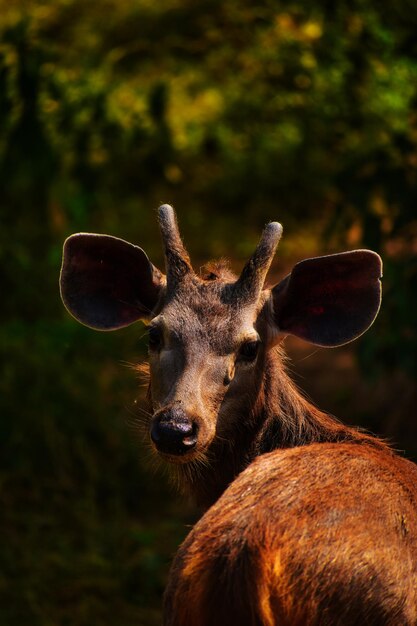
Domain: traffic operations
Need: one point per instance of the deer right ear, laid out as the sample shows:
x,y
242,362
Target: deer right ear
x,y
107,283
329,300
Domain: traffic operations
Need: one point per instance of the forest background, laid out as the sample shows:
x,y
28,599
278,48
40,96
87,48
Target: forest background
x,y
237,113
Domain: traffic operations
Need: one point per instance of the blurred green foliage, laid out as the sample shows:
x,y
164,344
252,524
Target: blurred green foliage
x,y
236,112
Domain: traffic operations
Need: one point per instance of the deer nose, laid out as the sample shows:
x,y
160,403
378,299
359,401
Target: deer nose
x,y
173,432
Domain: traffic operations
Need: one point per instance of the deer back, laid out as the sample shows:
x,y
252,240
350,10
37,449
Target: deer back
x,y
324,534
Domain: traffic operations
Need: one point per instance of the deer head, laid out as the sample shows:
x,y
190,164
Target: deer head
x,y
209,335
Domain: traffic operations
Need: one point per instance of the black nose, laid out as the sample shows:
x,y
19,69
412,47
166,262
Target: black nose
x,y
173,432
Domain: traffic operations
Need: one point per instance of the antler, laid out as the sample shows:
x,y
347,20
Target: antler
x,y
178,262
251,281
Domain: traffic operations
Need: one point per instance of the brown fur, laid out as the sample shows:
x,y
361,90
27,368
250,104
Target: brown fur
x,y
217,270
320,535
273,415
312,523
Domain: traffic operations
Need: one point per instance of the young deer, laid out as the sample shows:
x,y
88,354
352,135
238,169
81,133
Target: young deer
x,y
310,522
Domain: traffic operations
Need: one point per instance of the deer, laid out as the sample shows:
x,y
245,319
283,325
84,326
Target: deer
x,y
307,521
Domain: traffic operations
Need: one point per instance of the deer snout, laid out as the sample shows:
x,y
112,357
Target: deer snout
x,y
174,432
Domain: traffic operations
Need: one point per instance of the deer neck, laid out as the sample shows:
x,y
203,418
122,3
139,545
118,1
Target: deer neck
x,y
278,417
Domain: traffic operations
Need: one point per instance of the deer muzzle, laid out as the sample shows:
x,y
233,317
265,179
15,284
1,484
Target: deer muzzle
x,y
173,432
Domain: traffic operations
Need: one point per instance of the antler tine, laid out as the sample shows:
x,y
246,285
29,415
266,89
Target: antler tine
x,y
251,281
178,262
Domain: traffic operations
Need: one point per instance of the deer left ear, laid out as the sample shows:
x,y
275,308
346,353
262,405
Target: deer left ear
x,y
329,300
107,283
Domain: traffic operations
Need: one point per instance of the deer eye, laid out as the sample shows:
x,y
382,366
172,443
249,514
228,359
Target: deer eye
x,y
154,338
248,351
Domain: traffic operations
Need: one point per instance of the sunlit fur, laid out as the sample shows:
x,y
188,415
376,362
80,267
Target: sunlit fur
x,y
217,270
309,522
324,535
312,523
263,413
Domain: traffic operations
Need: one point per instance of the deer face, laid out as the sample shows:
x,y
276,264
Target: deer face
x,y
203,353
208,336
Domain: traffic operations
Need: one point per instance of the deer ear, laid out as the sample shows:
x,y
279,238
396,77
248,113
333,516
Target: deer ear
x,y
329,300
107,283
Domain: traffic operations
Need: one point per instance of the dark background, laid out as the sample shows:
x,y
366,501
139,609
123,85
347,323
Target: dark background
x,y
237,113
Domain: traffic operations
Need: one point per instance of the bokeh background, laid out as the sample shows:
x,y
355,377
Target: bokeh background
x,y
237,113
